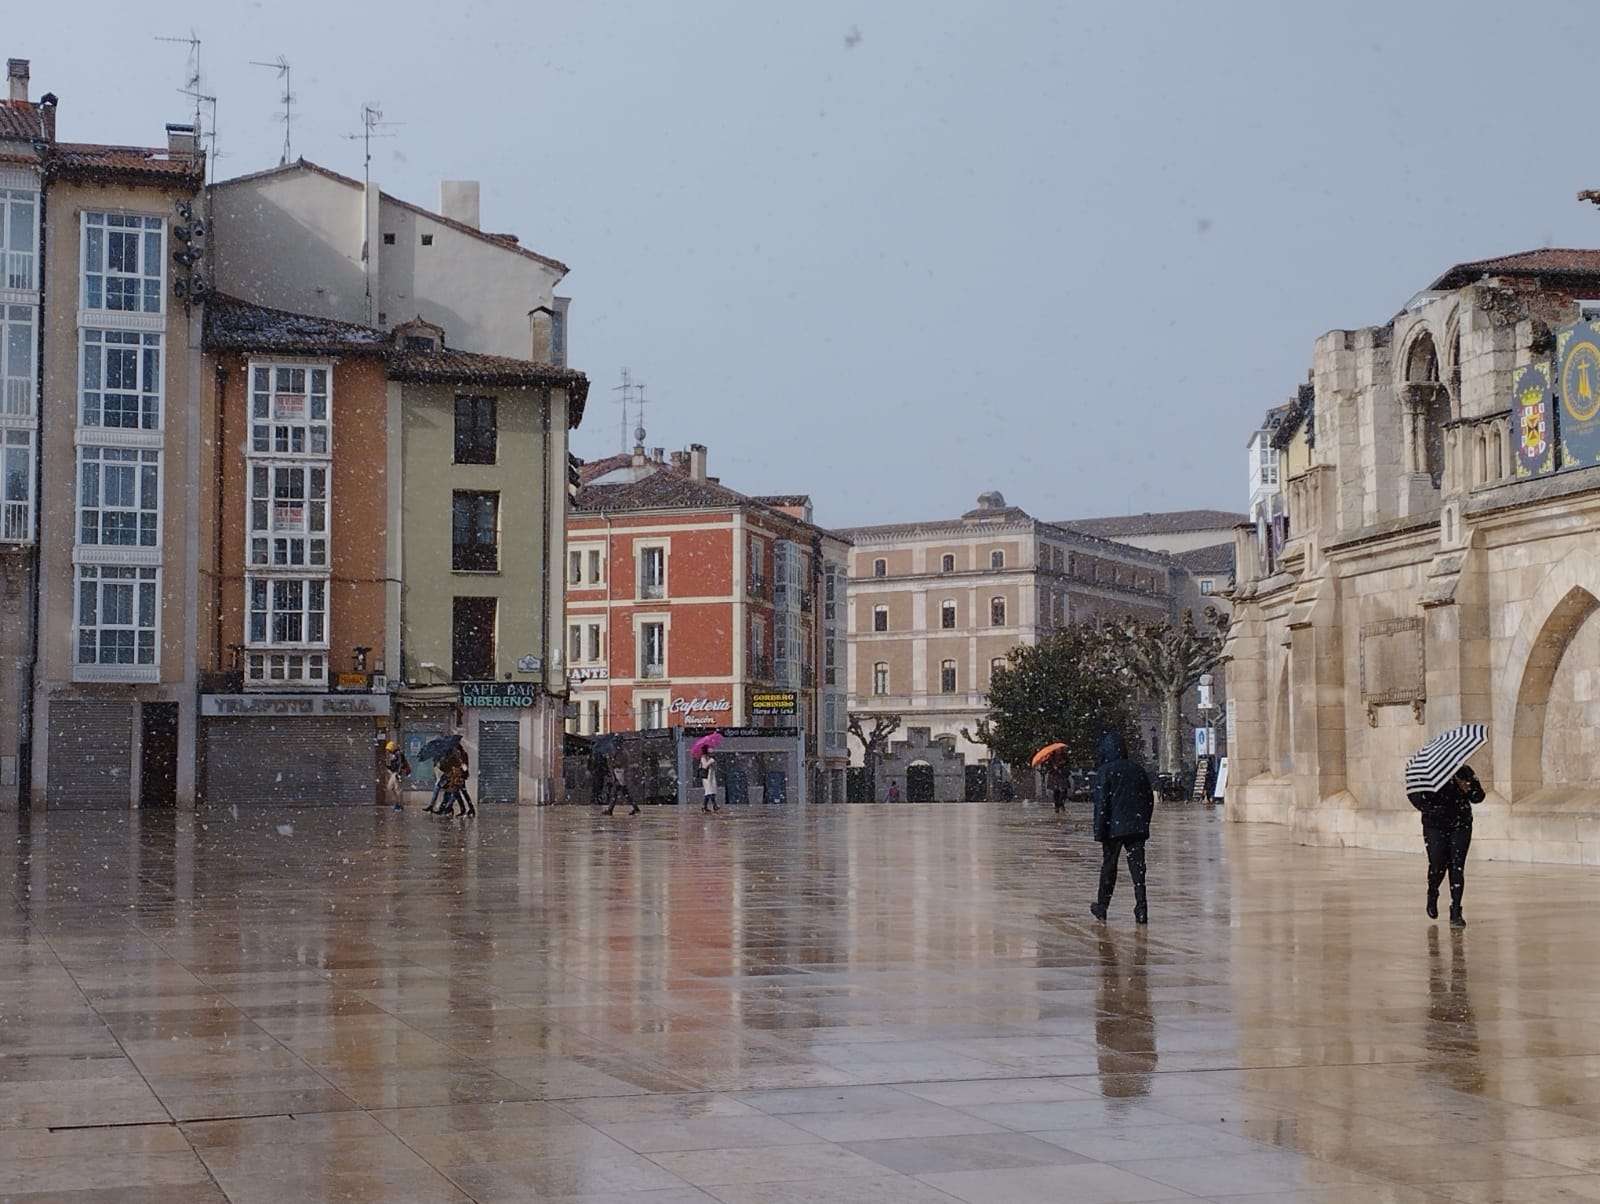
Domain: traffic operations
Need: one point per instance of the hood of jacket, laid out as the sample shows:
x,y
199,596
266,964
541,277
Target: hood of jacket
x,y
1112,747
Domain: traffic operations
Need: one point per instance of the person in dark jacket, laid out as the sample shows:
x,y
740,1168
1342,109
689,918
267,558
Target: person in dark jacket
x,y
1123,804
1447,833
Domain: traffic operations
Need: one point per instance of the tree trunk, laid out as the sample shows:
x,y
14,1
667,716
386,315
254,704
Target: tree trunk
x,y
1171,731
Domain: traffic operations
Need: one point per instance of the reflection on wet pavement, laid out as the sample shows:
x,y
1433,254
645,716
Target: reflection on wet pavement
x,y
777,1005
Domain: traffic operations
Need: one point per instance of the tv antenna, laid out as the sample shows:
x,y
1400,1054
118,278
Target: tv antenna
x,y
371,123
281,66
629,389
191,89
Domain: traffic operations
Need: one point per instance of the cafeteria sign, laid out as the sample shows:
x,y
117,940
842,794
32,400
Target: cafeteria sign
x,y
773,702
499,694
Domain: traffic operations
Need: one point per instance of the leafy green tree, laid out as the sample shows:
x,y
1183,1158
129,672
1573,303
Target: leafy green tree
x,y
1165,661
1068,687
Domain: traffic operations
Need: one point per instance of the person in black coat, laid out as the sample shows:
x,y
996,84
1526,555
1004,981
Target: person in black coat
x,y
1123,804
1447,833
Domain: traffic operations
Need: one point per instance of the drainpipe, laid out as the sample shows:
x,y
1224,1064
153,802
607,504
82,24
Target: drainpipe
x,y
30,671
216,537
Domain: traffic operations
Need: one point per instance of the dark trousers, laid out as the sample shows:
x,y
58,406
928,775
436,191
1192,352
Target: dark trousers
x,y
1110,850
1447,854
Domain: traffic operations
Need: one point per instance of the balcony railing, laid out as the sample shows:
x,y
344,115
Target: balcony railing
x,y
16,524
17,399
653,669
18,272
653,589
757,587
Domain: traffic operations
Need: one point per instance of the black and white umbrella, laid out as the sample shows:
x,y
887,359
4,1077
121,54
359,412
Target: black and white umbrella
x,y
1437,761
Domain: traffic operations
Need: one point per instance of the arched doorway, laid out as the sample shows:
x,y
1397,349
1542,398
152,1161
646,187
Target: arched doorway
x,y
1557,706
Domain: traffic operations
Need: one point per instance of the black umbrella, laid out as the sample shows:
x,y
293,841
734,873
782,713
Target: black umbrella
x,y
603,746
438,746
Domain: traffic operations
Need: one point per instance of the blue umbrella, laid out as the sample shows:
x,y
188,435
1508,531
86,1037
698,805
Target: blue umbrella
x,y
438,746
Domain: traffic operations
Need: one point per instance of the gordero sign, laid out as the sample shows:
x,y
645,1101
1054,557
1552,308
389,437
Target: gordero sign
x,y
499,694
774,702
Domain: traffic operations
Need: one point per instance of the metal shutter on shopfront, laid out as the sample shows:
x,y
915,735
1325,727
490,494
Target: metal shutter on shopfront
x,y
290,762
90,762
497,762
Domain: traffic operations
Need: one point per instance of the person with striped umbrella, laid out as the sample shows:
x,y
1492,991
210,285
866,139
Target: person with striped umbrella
x,y
1442,786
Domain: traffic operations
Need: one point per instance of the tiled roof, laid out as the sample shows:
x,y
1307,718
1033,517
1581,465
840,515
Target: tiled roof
x,y
84,159
1212,559
784,499
1549,261
669,489
507,241
234,325
1009,519
598,468
19,119
1173,522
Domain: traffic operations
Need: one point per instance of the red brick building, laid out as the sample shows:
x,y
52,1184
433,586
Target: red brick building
x,y
690,604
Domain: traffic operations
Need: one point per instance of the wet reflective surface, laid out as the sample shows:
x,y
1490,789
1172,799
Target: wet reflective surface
x,y
868,1003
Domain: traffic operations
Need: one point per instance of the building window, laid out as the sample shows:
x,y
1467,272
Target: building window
x,y
116,615
997,612
119,497
287,610
947,677
574,568
16,485
574,644
1206,585
288,515
121,380
472,638
592,641
995,666
947,563
287,668
476,432
1268,462
880,567
653,572
757,564
947,614
652,714
593,707
19,239
474,531
997,560
288,410
760,665
596,567
880,677
122,262
17,344
652,650
880,618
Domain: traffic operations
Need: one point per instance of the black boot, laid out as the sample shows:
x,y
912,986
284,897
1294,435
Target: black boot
x,y
1457,920
1433,902
635,810
1097,910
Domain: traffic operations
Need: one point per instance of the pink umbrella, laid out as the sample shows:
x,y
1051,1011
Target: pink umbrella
x,y
705,744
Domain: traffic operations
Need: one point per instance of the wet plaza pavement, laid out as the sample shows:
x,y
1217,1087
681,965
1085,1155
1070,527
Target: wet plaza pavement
x,y
774,1005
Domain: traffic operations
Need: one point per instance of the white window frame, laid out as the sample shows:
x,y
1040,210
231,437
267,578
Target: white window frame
x,y
269,603
134,474
997,604
574,643
574,567
644,553
19,240
142,586
147,280
283,534
595,714
948,607
880,678
19,346
642,627
880,610
94,363
650,707
17,484
950,667
291,410
596,572
286,669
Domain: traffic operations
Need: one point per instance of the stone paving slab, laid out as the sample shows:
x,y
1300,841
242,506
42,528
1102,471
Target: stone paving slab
x,y
775,1005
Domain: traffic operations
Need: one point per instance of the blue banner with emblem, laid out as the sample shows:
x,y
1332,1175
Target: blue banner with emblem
x,y
1534,421
1578,389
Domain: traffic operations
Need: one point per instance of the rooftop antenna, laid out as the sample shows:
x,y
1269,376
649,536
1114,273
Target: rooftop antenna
x,y
191,89
626,388
371,122
281,66
638,430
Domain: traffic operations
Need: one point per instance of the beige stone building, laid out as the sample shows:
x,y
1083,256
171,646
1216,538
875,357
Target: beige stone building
x,y
936,606
1438,564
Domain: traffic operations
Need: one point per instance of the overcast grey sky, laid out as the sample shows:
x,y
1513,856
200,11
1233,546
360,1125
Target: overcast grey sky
x,y
892,255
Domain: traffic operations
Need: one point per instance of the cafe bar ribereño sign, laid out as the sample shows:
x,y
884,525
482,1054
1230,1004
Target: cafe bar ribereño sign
x,y
499,695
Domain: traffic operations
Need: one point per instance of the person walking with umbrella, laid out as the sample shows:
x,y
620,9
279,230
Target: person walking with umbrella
x,y
1051,760
1123,804
701,750
1442,786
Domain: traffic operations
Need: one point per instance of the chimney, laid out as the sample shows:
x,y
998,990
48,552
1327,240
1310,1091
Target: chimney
x,y
17,78
539,328
458,200
697,461
183,141
680,461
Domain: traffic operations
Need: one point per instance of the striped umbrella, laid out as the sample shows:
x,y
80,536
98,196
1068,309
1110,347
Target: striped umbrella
x,y
1437,761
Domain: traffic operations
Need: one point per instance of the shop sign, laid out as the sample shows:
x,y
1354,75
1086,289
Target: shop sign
x,y
701,710
774,702
499,694
592,673
763,733
351,682
272,705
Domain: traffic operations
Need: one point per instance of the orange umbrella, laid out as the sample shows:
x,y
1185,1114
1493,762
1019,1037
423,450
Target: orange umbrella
x,y
1045,753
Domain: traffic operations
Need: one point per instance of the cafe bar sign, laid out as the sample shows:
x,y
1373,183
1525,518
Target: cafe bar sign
x,y
499,695
698,711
